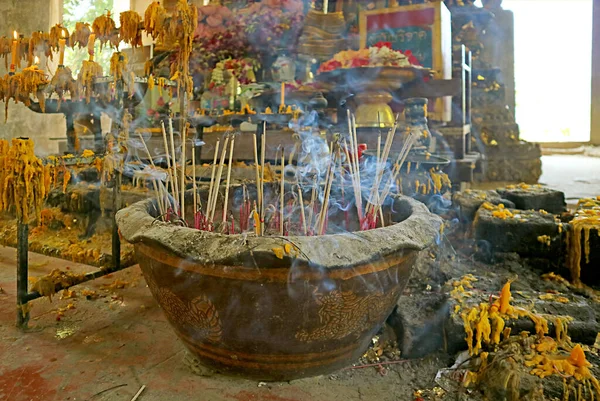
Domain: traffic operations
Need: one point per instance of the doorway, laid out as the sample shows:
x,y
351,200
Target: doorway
x,y
553,68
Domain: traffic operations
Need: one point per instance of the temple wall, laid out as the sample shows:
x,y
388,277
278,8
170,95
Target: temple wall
x,y
16,15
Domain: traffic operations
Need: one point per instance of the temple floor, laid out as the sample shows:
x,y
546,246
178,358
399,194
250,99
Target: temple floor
x,y
575,175
571,174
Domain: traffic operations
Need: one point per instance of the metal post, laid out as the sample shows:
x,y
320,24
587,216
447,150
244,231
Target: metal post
x,y
260,129
70,129
22,273
116,242
199,137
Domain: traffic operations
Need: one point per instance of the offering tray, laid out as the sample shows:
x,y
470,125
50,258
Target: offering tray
x,y
373,87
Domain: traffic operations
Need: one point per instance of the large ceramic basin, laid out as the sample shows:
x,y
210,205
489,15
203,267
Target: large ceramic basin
x,y
242,310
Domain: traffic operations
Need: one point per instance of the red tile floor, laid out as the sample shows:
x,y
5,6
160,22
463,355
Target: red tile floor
x,y
107,348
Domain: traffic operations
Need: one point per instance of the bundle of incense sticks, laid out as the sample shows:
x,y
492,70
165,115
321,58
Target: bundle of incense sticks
x,y
167,201
289,214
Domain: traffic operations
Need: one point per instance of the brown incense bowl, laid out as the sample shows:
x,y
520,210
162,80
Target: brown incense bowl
x,y
242,310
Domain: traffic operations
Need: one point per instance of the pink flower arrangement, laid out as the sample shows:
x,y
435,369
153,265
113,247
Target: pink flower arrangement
x,y
213,19
207,51
242,70
273,25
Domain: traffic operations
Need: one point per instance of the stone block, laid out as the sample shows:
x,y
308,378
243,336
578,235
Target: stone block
x,y
81,199
493,115
418,321
428,322
528,171
528,233
583,328
90,175
520,150
535,197
516,161
128,196
511,170
469,201
56,198
77,199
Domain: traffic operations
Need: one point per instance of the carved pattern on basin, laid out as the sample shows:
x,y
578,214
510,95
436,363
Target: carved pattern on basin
x,y
344,314
199,316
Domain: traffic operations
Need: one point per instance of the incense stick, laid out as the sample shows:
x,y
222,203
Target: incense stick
x,y
258,188
165,193
225,204
355,183
302,209
168,156
262,178
183,165
281,192
212,180
325,205
174,164
356,160
218,180
311,206
378,150
293,153
397,167
146,149
160,207
195,208
382,160
353,161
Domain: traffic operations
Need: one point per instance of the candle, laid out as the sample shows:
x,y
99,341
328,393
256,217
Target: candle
x,y
232,95
325,6
90,45
15,46
36,61
282,102
61,48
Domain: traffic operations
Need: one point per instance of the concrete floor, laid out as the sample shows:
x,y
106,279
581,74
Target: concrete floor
x,y
107,348
577,176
